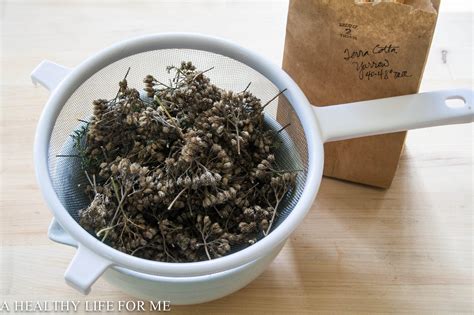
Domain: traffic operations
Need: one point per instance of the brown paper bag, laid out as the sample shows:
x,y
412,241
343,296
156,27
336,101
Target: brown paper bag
x,y
341,51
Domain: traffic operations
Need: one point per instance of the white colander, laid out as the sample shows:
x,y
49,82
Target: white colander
x,y
72,93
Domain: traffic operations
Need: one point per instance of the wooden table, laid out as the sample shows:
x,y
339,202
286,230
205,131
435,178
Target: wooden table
x,y
405,249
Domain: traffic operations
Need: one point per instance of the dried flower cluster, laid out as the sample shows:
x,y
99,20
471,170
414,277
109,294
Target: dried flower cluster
x,y
185,174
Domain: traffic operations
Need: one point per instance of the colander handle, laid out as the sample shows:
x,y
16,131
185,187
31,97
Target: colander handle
x,y
49,74
86,267
57,234
353,120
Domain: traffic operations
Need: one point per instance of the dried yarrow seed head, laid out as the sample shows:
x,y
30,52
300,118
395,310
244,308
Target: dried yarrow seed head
x,y
184,172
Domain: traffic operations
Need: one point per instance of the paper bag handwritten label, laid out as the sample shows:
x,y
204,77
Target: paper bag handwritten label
x,y
348,30
375,63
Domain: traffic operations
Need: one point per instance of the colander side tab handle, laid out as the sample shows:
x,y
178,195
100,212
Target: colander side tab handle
x,y
57,234
49,74
387,115
85,268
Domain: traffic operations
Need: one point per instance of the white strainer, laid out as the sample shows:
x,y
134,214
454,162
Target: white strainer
x,y
73,91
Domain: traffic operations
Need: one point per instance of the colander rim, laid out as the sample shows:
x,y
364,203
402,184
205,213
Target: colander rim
x,y
179,41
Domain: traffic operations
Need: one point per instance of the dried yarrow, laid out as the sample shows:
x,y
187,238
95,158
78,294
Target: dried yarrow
x,y
186,173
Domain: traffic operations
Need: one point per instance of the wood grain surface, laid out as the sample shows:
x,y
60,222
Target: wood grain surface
x,y
360,249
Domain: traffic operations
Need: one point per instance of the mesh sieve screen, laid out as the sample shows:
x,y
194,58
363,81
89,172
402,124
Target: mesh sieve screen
x,y
66,173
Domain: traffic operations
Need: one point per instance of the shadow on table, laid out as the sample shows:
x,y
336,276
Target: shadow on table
x,y
359,249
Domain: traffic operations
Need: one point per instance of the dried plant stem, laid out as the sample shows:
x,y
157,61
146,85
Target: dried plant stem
x,y
166,250
175,124
237,136
273,98
92,183
278,197
202,72
106,229
176,198
118,92
119,206
284,127
186,174
205,245
246,88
